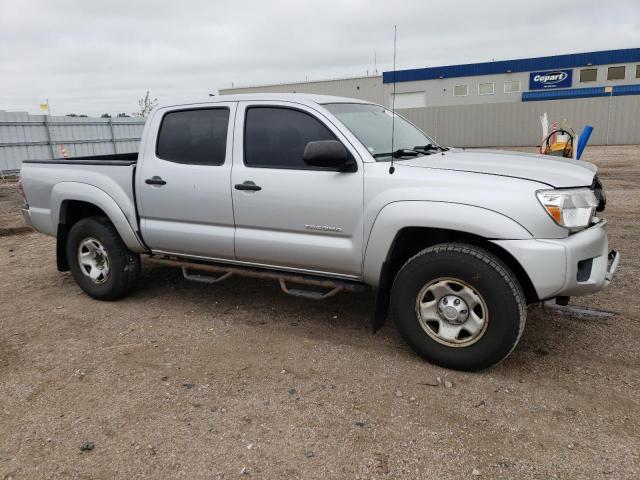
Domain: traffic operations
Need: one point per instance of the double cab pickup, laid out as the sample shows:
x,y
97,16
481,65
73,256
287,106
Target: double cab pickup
x,y
328,194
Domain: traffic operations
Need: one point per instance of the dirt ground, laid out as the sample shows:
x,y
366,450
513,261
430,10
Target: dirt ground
x,y
185,380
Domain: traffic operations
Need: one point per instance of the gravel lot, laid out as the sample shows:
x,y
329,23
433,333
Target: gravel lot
x,y
185,380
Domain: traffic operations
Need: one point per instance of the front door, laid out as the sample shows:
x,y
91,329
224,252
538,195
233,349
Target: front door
x,y
183,183
289,215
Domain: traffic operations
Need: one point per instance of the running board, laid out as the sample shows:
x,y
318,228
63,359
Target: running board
x,y
223,271
196,277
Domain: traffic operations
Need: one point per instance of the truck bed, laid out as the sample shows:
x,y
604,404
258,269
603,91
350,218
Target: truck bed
x,y
50,182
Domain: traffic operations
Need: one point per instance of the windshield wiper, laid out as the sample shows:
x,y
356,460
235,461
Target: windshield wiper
x,y
430,147
401,152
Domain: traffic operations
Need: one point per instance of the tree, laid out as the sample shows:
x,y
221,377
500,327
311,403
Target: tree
x,y
105,115
123,115
71,115
146,104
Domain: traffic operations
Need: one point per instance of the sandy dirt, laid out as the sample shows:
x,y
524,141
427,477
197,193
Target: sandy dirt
x,y
185,380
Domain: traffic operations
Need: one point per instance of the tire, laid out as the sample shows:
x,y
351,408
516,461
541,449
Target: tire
x,y
473,338
116,268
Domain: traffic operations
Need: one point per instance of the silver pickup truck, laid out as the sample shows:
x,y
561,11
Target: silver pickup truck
x,y
312,191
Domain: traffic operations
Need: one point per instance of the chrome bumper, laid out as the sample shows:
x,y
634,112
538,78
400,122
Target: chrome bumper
x,y
26,214
614,260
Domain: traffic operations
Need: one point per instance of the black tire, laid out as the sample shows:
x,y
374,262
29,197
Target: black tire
x,y
487,276
124,265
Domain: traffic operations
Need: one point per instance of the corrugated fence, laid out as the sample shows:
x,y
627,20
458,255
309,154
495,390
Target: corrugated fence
x,y
616,121
33,137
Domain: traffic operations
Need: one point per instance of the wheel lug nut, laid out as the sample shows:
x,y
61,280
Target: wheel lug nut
x,y
456,302
464,312
445,301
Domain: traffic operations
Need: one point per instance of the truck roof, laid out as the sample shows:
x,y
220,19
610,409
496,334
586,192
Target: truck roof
x,y
297,97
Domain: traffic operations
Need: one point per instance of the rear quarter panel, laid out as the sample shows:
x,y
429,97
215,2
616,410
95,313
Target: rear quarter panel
x,y
110,187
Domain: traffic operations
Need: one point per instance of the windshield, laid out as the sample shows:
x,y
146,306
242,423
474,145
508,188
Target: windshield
x,y
371,124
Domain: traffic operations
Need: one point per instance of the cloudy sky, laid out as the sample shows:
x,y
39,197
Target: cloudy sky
x,y
101,56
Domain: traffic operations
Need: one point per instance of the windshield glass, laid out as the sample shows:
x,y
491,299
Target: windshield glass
x,y
371,124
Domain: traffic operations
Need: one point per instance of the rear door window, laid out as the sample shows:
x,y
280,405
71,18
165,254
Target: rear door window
x,y
195,137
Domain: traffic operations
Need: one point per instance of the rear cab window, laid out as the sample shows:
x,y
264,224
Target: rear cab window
x,y
195,137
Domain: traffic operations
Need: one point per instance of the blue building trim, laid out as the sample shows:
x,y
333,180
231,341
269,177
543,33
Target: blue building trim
x,y
572,60
579,93
626,90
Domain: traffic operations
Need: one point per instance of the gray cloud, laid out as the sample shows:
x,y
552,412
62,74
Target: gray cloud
x,y
95,57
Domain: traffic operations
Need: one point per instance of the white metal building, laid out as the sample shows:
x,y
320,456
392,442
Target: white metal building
x,y
578,75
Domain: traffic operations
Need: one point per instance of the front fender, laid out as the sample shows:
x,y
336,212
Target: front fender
x,y
83,192
459,217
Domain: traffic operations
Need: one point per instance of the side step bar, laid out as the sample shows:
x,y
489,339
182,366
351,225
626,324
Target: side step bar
x,y
223,271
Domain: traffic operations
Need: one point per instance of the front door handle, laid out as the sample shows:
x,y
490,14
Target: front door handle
x,y
248,185
155,180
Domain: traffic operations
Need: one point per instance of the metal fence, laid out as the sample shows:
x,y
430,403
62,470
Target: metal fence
x,y
33,137
616,121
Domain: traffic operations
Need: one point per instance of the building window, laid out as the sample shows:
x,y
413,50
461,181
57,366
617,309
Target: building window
x,y
637,71
461,90
615,73
589,75
486,88
513,86
410,99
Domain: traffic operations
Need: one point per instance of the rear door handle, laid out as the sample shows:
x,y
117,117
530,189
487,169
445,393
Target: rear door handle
x,y
155,180
248,185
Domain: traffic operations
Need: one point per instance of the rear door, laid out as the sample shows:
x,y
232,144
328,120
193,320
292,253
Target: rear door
x,y
183,185
287,214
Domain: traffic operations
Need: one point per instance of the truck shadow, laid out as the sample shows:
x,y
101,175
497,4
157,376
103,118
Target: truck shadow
x,y
346,318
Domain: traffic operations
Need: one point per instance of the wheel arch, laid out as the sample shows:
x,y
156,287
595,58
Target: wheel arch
x,y
74,201
411,240
402,231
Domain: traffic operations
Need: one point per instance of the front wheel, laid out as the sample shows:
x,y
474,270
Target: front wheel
x,y
458,306
99,260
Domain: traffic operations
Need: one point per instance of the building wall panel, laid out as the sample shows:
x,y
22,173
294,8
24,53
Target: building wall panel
x,y
615,121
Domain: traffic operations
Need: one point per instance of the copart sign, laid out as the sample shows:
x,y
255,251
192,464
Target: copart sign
x,y
550,79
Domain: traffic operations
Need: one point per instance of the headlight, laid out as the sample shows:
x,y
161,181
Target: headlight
x,y
570,208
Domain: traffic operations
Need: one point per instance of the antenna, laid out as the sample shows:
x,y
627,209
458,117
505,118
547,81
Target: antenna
x,y
393,100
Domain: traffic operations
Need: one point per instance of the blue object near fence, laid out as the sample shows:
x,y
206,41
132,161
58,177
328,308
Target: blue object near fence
x,y
583,139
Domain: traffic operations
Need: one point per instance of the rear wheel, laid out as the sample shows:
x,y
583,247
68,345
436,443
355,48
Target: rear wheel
x,y
99,260
458,306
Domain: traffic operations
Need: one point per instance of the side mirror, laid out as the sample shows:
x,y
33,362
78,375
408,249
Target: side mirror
x,y
328,154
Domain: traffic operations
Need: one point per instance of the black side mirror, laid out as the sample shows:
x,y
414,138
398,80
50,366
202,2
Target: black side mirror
x,y
328,154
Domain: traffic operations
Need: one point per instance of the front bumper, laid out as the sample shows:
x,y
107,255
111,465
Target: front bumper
x,y
579,264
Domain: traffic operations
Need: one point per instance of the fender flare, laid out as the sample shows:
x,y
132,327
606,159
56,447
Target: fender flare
x,y
464,218
84,192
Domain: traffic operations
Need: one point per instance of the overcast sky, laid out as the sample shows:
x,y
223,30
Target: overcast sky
x,y
101,56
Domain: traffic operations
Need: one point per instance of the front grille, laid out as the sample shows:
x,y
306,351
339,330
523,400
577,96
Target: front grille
x,y
598,191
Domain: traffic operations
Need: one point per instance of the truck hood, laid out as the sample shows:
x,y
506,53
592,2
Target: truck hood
x,y
554,171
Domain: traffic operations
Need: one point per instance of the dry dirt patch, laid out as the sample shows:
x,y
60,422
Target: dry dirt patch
x,y
240,381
